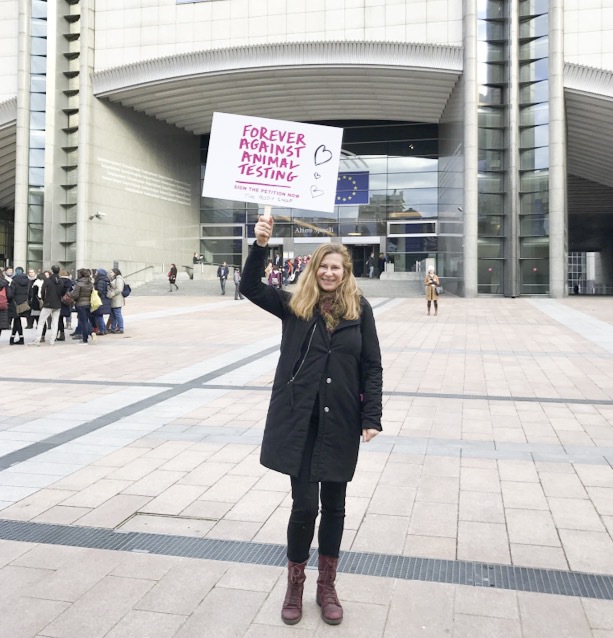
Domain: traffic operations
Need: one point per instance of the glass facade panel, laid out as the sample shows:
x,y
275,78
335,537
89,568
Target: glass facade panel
x,y
216,251
491,160
534,49
534,225
38,101
490,117
490,248
490,30
534,275
534,203
491,138
534,159
37,120
39,46
490,273
534,182
406,229
534,71
491,226
534,27
537,92
37,157
491,183
490,204
490,95
38,27
534,136
534,248
35,214
35,233
38,84
491,9
38,64
534,115
533,7
221,231
39,9
36,176
411,180
492,73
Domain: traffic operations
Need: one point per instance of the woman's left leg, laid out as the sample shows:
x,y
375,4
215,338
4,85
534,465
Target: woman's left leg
x,y
331,528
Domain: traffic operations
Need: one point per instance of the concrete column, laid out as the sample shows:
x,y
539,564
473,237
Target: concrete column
x,y
86,107
20,250
558,215
512,226
471,149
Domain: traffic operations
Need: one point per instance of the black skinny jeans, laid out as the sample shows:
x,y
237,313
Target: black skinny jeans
x,y
305,495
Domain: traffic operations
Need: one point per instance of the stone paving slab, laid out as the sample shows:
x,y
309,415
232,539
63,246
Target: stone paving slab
x,y
497,447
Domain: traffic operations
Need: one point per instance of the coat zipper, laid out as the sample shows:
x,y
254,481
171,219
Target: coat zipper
x,y
305,354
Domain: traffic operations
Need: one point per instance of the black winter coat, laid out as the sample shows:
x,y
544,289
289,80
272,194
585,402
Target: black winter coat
x,y
337,368
101,284
5,322
21,291
52,291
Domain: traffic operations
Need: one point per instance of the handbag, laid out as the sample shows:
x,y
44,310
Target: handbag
x,y
23,307
67,300
439,290
94,301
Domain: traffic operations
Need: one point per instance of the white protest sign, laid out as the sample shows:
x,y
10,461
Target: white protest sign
x,y
273,162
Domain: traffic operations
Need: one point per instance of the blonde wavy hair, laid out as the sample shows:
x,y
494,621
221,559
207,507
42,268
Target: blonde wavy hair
x,y
306,297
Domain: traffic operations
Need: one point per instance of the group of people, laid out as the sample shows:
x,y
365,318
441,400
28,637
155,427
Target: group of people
x,y
47,299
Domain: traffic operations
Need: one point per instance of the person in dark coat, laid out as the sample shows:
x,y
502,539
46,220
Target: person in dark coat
x,y
172,277
65,310
222,274
101,284
81,294
327,391
5,291
52,292
19,306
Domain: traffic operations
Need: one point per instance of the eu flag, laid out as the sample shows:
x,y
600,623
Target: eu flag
x,y
352,188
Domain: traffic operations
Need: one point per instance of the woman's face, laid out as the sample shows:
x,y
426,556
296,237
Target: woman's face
x,y
330,272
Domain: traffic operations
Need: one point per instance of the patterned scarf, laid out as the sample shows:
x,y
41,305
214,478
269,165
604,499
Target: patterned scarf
x,y
330,310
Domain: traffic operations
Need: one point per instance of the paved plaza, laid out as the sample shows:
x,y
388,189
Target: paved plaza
x,y
133,504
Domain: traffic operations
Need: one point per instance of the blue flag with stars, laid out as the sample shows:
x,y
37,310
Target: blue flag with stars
x,y
352,188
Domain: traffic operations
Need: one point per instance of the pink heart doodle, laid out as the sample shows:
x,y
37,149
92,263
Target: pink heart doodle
x,y
322,155
316,192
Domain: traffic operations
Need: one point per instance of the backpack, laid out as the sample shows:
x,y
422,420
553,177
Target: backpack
x,y
126,290
4,303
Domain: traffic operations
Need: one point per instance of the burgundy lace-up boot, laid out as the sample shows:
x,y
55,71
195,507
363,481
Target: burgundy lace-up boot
x,y
292,605
331,610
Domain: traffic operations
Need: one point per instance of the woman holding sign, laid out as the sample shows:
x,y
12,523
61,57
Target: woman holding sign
x,y
326,392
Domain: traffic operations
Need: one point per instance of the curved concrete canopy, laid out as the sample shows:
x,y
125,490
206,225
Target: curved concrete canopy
x,y
589,121
8,153
302,81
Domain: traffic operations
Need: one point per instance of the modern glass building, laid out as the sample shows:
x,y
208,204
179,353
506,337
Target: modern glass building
x,y
477,134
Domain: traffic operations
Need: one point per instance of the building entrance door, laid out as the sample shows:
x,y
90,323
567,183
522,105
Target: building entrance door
x,y
359,257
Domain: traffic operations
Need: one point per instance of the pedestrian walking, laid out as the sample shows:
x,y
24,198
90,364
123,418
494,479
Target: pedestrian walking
x,y
237,281
222,273
172,278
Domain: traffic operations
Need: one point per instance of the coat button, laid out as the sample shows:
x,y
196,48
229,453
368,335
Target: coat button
x,y
326,409
328,380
